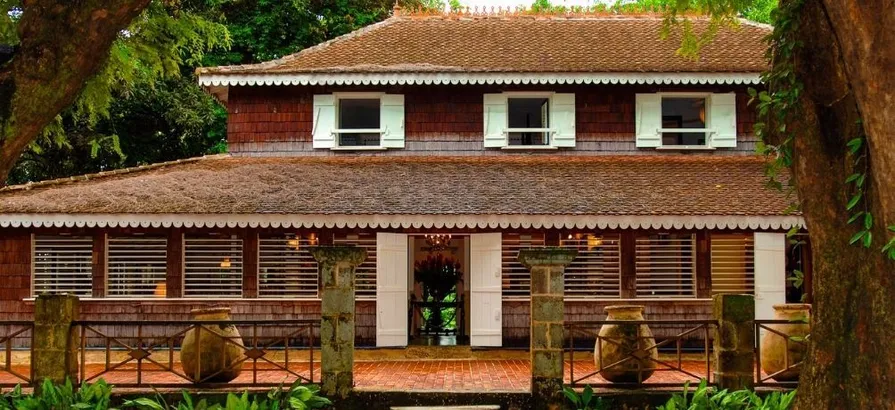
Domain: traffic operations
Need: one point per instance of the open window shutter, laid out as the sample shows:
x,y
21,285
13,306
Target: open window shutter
x,y
648,120
392,120
324,121
723,118
495,107
563,120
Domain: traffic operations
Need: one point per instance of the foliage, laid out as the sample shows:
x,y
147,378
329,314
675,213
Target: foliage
x,y
438,276
705,398
586,400
59,397
298,397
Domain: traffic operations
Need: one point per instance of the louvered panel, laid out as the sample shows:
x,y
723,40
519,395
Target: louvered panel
x,y
63,264
137,267
286,268
733,268
365,275
596,271
665,266
516,277
212,267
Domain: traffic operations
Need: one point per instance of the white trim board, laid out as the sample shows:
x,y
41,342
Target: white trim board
x,y
402,221
397,78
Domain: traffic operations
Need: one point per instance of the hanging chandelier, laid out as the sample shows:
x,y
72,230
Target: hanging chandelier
x,y
438,242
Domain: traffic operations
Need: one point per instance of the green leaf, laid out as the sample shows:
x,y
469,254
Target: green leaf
x,y
868,221
854,200
855,217
868,239
856,237
855,144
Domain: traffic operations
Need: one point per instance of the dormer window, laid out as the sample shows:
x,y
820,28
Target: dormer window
x,y
359,120
686,121
683,121
528,121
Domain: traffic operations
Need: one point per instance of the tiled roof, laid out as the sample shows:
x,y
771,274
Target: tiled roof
x,y
517,185
520,43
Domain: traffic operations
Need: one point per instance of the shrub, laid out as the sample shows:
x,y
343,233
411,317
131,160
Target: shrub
x,y
704,398
298,397
94,396
585,400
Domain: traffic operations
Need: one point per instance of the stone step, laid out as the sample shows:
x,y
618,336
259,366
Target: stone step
x,y
482,407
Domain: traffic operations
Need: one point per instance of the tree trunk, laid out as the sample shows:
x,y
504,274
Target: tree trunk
x,y
63,44
847,65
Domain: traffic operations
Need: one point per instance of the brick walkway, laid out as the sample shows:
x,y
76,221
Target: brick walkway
x,y
401,375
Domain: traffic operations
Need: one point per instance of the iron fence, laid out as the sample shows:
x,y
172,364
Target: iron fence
x,y
679,352
148,353
779,373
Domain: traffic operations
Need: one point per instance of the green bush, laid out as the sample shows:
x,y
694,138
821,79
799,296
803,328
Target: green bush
x,y
705,398
96,396
60,397
585,400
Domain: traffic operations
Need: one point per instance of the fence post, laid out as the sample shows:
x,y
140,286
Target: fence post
x,y
336,265
547,266
734,343
54,346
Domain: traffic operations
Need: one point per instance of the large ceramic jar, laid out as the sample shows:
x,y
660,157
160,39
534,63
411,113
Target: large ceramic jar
x,y
212,356
618,342
779,352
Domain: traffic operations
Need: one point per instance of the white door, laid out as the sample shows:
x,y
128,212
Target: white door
x,y
485,289
391,289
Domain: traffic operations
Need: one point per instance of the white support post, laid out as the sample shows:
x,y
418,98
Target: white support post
x,y
770,273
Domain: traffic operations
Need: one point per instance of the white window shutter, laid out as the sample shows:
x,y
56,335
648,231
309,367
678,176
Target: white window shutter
x,y
562,120
324,121
392,120
648,120
495,106
723,120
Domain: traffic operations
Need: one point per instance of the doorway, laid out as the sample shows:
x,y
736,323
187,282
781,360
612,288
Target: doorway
x,y
438,281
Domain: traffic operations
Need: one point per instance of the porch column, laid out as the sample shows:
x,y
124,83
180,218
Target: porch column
x,y
336,265
55,346
734,343
770,273
547,266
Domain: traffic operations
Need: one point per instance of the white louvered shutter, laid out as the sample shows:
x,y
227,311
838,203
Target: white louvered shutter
x,y
495,110
562,120
723,117
648,120
392,120
324,121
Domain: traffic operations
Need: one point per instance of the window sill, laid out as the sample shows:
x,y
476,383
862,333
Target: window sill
x,y
528,147
685,148
359,148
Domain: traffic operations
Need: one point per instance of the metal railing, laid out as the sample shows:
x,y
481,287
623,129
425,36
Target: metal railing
x,y
147,353
794,352
16,337
681,348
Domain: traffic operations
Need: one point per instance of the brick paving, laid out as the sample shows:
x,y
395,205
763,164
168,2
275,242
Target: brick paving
x,y
397,375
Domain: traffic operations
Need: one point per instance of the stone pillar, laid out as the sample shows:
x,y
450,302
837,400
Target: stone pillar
x,y
734,343
55,354
336,266
547,287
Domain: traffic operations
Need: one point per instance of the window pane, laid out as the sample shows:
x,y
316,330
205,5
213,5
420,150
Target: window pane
x,y
361,113
63,264
665,266
528,113
683,113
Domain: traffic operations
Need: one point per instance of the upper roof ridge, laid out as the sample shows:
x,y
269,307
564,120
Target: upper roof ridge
x,y
573,12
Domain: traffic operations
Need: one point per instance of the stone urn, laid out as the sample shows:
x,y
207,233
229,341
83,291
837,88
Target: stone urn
x,y
618,342
779,352
213,355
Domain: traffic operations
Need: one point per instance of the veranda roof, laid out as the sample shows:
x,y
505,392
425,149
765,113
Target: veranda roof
x,y
610,191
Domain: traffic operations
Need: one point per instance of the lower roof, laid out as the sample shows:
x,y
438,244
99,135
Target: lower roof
x,y
539,191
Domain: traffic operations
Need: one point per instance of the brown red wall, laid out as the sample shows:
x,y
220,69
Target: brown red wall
x,y
449,119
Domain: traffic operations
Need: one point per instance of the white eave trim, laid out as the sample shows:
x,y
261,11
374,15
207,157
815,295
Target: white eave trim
x,y
400,221
218,80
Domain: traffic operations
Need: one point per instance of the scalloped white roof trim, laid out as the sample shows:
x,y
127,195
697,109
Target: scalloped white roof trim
x,y
399,221
475,78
